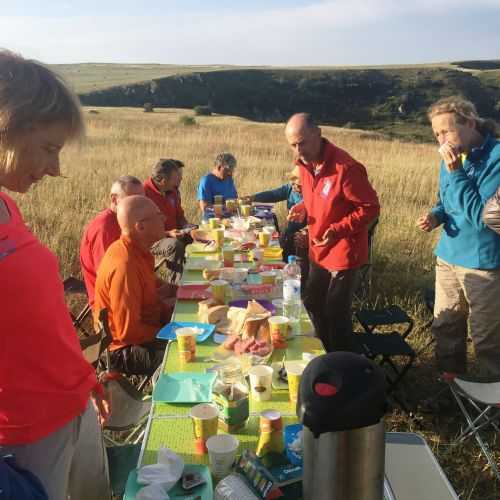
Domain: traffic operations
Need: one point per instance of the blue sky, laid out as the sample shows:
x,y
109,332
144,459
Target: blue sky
x,y
258,32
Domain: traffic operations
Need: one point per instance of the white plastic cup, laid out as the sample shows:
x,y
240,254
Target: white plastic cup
x,y
261,377
222,450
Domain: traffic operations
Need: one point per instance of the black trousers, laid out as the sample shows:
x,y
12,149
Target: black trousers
x,y
141,359
328,301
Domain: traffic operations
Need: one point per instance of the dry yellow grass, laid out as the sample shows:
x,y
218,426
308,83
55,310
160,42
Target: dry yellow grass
x,y
128,141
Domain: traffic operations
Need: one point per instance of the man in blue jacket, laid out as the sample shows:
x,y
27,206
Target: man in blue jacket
x,y
468,252
291,240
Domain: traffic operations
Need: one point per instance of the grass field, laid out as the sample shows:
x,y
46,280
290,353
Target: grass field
x,y
128,141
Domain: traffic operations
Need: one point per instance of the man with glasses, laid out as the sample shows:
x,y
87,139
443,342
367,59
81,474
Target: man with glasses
x,y
138,303
218,182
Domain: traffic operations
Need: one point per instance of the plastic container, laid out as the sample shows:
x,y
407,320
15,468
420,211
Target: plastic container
x,y
292,304
231,396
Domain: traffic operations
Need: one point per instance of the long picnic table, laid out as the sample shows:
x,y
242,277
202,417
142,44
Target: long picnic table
x,y
170,425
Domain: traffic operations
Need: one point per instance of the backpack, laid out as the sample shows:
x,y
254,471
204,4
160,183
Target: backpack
x,y
17,483
491,212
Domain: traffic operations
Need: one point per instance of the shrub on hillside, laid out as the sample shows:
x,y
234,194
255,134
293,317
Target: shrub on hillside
x,y
188,121
148,107
202,110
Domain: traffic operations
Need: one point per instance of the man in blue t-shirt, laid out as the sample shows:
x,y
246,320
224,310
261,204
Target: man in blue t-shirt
x,y
218,182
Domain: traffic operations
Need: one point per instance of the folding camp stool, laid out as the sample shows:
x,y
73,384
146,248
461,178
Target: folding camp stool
x,y
383,347
479,401
75,286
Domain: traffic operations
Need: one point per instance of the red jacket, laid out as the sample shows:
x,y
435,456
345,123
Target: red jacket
x,y
169,203
98,235
339,197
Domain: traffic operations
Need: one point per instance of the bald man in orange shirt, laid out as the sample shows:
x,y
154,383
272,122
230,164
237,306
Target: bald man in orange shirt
x,y
138,303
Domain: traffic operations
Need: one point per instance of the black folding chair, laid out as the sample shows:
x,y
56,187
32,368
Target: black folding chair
x,y
389,349
479,402
73,286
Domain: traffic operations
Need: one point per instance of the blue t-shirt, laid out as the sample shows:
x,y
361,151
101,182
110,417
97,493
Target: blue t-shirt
x,y
210,185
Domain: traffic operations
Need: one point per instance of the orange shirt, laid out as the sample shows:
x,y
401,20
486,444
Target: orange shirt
x,y
126,286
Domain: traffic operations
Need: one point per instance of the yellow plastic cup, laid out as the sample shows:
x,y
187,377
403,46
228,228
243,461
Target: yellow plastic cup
x,y
231,205
186,343
205,423
228,256
218,210
279,326
218,199
268,277
218,236
245,210
294,370
218,288
264,238
213,222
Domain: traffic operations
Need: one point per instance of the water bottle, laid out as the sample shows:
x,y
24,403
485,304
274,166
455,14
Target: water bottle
x,y
292,304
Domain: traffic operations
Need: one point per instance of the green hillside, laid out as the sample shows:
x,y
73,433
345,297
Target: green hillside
x,y
392,99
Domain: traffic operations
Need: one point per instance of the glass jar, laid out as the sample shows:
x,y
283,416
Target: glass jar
x,y
231,395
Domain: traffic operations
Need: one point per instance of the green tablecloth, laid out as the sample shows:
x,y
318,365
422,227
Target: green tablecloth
x,y
169,424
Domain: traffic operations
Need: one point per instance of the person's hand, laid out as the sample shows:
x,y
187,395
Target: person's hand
x,y
427,222
174,233
300,239
326,240
297,213
246,200
451,156
102,404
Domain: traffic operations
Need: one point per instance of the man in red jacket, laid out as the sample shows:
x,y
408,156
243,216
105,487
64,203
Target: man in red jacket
x,y
340,204
163,188
103,230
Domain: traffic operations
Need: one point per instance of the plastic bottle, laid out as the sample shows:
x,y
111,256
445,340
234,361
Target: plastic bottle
x,y
292,304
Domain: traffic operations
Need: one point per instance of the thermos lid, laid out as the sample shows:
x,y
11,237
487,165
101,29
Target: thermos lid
x,y
341,391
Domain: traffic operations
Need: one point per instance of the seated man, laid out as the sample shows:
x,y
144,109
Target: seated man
x,y
163,188
104,230
138,303
291,193
218,182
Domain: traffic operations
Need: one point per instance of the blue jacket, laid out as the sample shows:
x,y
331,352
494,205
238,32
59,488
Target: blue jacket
x,y
465,240
282,193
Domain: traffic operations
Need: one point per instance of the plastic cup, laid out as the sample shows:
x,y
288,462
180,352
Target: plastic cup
x,y
213,222
268,277
186,343
222,450
257,255
218,236
278,304
264,239
218,199
279,327
218,210
294,370
245,210
231,205
218,289
205,423
228,256
261,377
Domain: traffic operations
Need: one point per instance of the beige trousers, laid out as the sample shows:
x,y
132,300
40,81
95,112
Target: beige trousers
x,y
467,295
70,461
